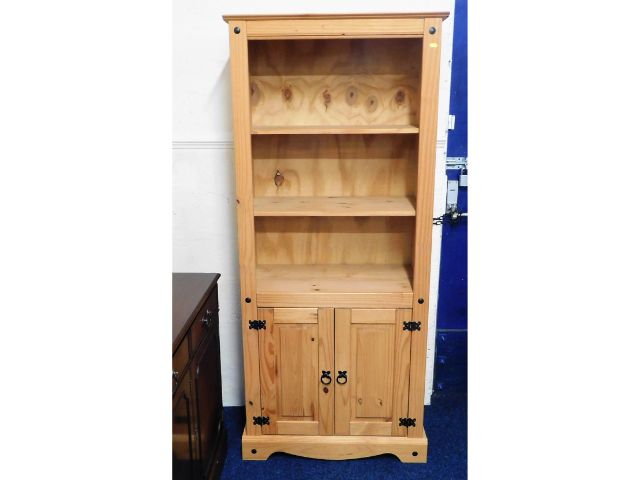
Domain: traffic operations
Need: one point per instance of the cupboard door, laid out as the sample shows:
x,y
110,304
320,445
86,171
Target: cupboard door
x,y
296,347
183,438
208,399
372,363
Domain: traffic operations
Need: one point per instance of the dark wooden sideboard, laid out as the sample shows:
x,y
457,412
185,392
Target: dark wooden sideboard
x,y
199,436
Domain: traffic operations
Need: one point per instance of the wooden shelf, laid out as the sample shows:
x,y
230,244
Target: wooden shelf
x,y
334,207
369,286
333,129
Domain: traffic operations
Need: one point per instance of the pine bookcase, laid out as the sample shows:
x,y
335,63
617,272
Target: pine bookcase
x,y
335,122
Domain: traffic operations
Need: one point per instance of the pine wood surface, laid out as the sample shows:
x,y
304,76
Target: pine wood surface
x,y
295,315
326,346
388,102
336,447
424,214
343,27
334,16
335,165
334,285
333,129
335,136
289,374
334,240
334,207
244,202
327,84
376,356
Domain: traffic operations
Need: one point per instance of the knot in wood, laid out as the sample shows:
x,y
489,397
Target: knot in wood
x,y
287,93
327,98
352,95
372,103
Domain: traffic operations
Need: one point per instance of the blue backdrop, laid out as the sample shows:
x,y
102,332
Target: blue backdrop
x,y
451,336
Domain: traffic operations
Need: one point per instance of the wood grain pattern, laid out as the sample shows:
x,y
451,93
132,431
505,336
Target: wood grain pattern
x,y
343,27
346,83
401,373
334,285
388,101
336,447
326,348
376,356
334,206
424,215
295,315
331,16
373,315
268,380
343,362
297,427
335,130
350,123
372,367
244,199
297,360
289,372
370,428
334,240
335,165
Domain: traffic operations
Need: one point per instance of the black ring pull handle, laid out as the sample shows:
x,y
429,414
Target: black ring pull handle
x,y
342,374
326,375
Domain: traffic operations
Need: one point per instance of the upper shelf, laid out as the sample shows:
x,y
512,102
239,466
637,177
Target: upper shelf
x,y
334,207
331,129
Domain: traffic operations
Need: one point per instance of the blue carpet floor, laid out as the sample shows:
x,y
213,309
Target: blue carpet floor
x,y
446,427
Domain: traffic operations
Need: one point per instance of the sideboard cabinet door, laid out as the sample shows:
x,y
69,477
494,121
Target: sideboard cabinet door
x,y
296,351
184,448
372,365
208,394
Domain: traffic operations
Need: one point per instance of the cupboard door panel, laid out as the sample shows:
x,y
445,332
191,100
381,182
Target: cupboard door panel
x,y
183,435
208,399
297,366
292,346
372,362
374,351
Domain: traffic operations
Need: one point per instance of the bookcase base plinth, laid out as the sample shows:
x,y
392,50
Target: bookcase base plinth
x,y
408,450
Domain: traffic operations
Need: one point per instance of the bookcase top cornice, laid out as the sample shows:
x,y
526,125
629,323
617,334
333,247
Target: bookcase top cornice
x,y
334,16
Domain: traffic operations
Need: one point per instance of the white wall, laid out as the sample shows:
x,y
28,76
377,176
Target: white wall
x,y
204,227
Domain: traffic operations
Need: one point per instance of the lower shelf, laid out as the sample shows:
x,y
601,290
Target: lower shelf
x,y
352,286
408,450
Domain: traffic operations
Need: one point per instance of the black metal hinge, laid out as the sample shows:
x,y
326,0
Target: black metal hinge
x,y
257,324
404,422
261,420
411,326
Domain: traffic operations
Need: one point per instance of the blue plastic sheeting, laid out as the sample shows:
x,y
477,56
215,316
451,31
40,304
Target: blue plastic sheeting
x,y
457,139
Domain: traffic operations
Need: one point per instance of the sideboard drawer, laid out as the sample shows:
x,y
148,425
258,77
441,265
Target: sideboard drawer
x,y
206,321
180,360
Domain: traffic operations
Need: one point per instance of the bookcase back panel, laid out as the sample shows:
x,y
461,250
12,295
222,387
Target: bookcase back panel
x,y
334,240
335,82
334,165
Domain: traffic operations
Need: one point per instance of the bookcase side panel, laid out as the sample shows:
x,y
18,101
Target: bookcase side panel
x,y
424,214
244,202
